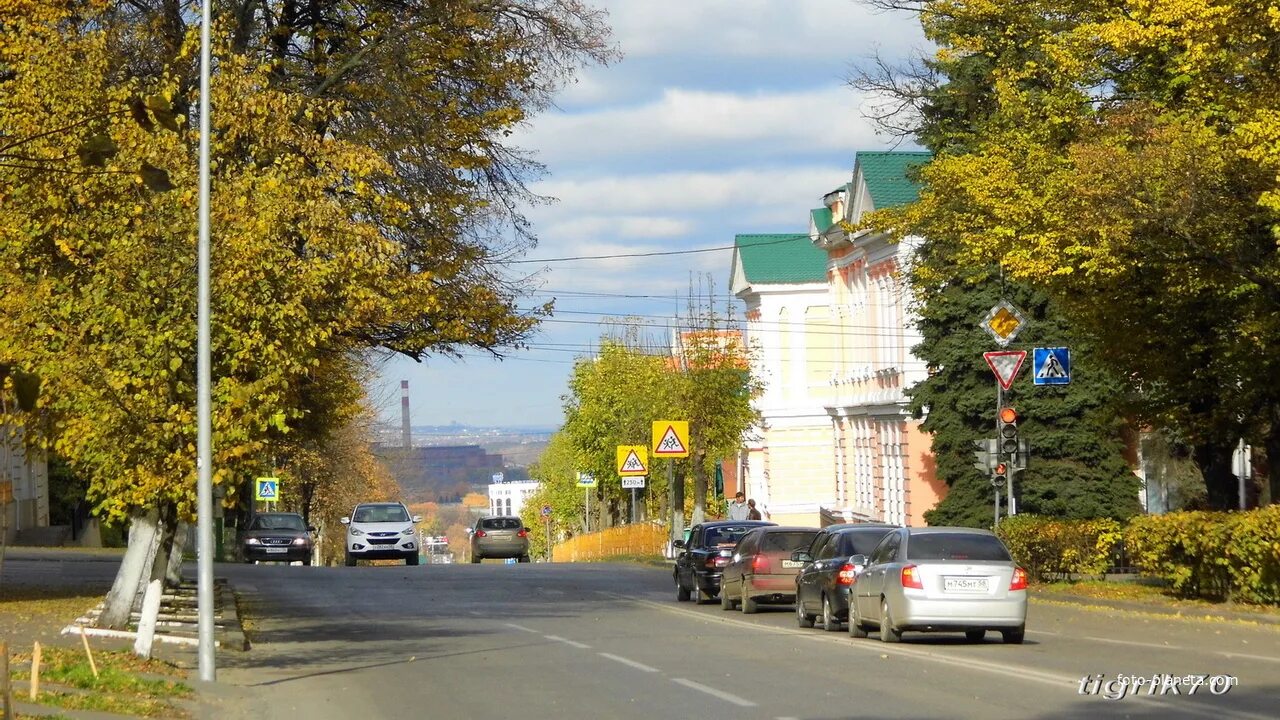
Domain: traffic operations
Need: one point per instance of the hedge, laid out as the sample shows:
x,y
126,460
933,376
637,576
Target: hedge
x,y
1215,555
1048,548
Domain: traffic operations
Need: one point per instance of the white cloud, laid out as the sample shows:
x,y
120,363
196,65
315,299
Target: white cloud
x,y
684,121
781,29
729,193
585,227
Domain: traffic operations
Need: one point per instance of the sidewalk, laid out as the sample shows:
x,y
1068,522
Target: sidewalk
x,y
45,593
1167,607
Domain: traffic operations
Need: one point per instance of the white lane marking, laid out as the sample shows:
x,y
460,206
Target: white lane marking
x,y
1231,655
626,661
521,628
567,641
1177,648
727,697
1018,672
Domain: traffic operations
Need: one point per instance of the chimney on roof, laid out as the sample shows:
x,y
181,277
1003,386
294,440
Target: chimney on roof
x,y
406,436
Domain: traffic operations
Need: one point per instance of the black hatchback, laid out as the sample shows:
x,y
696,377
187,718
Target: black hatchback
x,y
822,586
703,556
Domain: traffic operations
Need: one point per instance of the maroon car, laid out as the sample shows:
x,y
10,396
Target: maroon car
x,y
761,569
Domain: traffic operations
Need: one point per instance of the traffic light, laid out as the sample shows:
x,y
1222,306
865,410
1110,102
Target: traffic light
x,y
1001,475
1008,431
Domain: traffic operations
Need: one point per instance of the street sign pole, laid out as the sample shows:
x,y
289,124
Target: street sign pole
x,y
633,506
999,404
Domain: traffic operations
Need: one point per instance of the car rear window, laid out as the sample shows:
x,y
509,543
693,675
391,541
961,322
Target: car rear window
x,y
500,524
278,522
956,546
381,513
725,535
786,541
861,542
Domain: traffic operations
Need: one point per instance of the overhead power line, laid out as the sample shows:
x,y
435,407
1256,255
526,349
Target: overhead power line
x,y
655,253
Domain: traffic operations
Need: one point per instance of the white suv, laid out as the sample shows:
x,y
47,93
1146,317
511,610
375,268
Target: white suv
x,y
381,531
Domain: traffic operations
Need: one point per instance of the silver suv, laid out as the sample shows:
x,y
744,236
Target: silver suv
x,y
500,537
381,531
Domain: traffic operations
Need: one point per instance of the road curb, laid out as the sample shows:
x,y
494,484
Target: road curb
x,y
1158,609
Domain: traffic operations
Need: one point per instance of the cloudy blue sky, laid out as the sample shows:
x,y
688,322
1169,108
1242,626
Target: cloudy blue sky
x,y
724,117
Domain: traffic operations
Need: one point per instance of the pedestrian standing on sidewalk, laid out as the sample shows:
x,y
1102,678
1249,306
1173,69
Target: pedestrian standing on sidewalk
x,y
752,512
738,508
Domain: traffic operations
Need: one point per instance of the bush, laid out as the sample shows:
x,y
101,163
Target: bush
x,y
1215,555
1047,547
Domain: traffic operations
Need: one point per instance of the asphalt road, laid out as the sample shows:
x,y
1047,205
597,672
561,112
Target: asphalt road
x,y
610,641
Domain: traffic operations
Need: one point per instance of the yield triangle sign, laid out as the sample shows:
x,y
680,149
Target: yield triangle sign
x,y
1005,364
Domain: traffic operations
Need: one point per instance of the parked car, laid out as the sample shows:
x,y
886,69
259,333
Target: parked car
x,y
940,579
702,557
500,537
761,569
822,585
381,531
277,537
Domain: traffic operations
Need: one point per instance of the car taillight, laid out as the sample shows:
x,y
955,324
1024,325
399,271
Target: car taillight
x,y
911,578
523,533
721,560
760,564
1019,579
848,573
479,533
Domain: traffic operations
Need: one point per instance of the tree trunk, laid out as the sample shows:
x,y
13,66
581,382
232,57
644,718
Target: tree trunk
x,y
134,570
1222,486
173,573
699,488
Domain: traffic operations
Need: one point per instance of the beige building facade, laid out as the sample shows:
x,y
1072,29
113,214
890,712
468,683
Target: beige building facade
x,y
832,333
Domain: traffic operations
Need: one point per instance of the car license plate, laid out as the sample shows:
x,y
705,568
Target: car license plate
x,y
792,564
964,584
278,550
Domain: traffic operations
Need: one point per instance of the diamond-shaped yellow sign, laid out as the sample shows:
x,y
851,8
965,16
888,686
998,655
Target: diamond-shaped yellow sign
x,y
1003,323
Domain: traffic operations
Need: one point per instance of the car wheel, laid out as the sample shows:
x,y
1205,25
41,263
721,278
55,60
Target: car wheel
x,y
1014,637
802,618
974,635
475,559
749,605
306,562
351,560
411,559
725,602
888,633
682,593
856,628
525,558
830,622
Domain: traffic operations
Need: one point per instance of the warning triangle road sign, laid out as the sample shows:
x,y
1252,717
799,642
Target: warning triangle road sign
x,y
632,460
671,443
1005,364
633,463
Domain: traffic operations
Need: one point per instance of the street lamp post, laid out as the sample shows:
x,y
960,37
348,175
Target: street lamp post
x,y
204,460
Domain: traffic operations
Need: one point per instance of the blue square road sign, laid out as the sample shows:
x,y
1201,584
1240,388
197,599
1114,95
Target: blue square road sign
x,y
1051,366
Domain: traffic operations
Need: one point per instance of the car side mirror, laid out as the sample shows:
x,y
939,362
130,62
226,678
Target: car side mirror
x,y
677,544
311,528
801,556
859,560
417,518
345,521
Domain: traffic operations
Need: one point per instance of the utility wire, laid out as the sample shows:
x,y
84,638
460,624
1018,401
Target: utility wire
x,y
651,254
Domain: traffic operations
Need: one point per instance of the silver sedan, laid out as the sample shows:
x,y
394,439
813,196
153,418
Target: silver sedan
x,y
937,580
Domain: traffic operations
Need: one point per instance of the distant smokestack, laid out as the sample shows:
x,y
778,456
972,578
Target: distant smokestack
x,y
407,439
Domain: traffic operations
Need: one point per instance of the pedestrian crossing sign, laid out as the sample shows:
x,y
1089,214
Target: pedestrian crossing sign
x,y
268,489
633,460
671,438
1051,366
